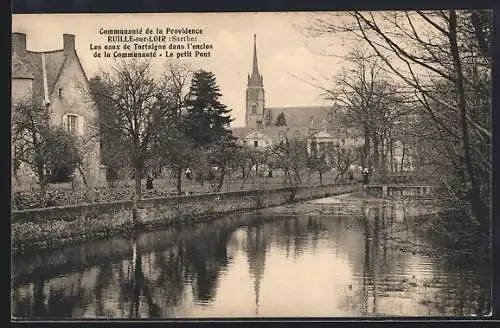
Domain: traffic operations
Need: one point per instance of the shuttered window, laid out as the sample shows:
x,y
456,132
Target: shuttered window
x,y
74,124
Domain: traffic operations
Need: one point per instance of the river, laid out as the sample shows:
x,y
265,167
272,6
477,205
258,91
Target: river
x,y
334,257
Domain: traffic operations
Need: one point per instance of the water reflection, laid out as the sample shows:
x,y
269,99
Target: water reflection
x,y
267,264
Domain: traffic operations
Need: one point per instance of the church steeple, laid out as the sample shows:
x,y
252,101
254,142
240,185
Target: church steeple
x,y
255,67
255,78
255,102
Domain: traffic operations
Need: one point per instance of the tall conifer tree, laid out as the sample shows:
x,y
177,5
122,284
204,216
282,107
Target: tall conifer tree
x,y
207,118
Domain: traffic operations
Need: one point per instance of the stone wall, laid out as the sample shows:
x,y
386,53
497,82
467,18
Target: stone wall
x,y
55,226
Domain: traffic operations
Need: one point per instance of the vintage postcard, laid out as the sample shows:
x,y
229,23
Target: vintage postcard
x,y
244,165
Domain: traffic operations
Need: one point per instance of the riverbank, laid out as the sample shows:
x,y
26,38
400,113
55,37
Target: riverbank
x,y
58,226
63,194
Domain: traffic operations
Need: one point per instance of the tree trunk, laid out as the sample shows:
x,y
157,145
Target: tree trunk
x,y
376,156
478,207
42,180
402,158
137,194
320,177
366,148
178,175
83,175
383,157
221,179
391,152
297,174
138,180
245,178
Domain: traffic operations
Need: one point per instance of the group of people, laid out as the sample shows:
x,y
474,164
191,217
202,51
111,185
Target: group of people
x,y
149,179
366,175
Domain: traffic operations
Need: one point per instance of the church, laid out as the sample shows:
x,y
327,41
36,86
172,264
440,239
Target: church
x,y
267,126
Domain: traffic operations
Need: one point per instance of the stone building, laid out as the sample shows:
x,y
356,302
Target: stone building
x,y
315,124
57,79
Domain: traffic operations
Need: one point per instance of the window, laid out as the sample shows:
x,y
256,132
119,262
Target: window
x,y
254,108
72,123
255,143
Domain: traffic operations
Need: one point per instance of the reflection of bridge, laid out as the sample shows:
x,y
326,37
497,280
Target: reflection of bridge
x,y
399,189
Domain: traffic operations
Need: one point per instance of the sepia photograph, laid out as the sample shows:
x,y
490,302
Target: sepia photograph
x,y
244,165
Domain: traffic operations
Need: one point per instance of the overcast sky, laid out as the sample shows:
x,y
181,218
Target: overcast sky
x,y
286,55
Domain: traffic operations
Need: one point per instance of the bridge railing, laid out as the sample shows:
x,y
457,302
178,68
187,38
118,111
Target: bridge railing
x,y
403,178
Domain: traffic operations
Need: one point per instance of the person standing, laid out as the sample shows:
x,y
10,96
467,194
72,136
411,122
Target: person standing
x,y
189,174
366,178
149,182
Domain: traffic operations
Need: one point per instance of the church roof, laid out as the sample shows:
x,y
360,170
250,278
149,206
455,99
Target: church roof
x,y
273,133
299,117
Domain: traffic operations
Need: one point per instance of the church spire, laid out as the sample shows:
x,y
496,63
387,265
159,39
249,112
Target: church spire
x,y
255,67
255,78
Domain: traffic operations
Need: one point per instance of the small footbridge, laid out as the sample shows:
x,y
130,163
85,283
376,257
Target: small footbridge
x,y
399,189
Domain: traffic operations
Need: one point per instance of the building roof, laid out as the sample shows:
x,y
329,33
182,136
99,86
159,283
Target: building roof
x,y
273,133
54,63
31,66
301,116
21,69
301,122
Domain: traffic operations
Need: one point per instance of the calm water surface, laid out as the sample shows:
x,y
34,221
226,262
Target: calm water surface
x,y
327,258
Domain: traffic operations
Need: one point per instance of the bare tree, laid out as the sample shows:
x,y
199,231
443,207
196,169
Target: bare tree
x,y
443,57
290,155
30,130
171,145
367,102
44,148
139,105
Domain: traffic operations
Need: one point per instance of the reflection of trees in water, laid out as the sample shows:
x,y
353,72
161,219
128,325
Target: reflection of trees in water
x,y
465,286
54,301
138,286
104,278
463,259
205,256
198,258
380,263
167,263
461,281
297,233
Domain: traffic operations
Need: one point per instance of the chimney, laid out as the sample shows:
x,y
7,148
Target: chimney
x,y
69,44
19,43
